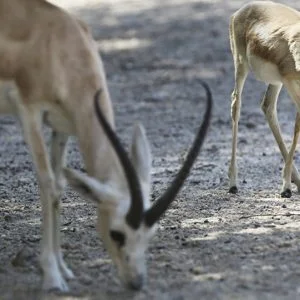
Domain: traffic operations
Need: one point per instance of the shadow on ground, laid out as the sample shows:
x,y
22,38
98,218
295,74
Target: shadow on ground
x,y
210,245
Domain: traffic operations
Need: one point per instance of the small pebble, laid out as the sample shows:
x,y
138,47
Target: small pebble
x,y
7,218
196,270
21,257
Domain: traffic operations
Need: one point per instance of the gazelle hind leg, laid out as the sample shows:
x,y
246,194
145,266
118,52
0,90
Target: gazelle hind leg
x,y
31,122
58,147
293,88
269,107
287,171
241,71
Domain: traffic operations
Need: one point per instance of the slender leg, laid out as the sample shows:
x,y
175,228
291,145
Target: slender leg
x,y
241,71
269,107
58,147
293,88
31,122
287,171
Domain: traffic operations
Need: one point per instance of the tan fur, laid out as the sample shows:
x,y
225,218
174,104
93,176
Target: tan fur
x,y
271,31
52,59
265,39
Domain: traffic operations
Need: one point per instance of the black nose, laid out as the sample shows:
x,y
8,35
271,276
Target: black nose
x,y
136,283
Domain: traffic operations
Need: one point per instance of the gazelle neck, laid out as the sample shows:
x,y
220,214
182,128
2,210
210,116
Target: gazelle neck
x,y
98,155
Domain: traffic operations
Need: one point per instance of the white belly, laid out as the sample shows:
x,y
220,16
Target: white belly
x,y
263,70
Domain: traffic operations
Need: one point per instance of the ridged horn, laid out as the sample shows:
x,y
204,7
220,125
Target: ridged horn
x,y
162,203
135,213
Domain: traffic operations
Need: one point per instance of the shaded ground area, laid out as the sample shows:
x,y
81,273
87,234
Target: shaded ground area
x,y
210,245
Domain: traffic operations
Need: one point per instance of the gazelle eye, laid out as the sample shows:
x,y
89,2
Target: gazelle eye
x,y
118,237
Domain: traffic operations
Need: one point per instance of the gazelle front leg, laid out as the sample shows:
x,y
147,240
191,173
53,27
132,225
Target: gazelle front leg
x,y
241,71
31,122
58,146
287,171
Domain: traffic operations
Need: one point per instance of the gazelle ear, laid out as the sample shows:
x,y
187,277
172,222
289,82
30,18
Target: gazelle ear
x,y
90,188
141,154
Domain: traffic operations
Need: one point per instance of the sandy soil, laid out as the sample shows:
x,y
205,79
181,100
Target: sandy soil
x,y
210,244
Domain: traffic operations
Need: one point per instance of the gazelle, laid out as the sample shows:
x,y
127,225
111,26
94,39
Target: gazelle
x,y
52,59
265,38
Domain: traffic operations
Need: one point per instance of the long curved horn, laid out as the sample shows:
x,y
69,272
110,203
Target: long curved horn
x,y
162,203
135,213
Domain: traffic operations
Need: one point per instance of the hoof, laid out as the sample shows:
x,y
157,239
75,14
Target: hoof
x,y
233,190
286,194
68,273
55,285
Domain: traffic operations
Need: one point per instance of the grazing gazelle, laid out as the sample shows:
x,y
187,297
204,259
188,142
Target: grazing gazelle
x,y
52,59
265,38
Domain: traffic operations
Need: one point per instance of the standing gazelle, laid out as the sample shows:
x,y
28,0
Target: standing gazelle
x,y
265,38
51,57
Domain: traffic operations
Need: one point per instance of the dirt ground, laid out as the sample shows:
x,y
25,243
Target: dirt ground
x,y
210,244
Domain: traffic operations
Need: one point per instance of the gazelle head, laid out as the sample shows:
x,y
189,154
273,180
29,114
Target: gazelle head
x,y
126,221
